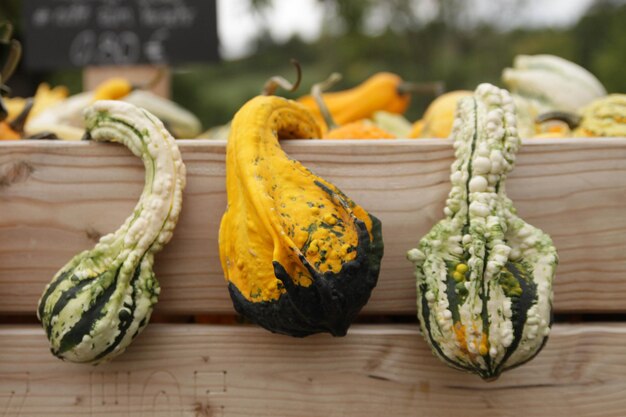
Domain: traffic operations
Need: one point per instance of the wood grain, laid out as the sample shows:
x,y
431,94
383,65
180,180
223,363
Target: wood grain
x,y
57,198
238,371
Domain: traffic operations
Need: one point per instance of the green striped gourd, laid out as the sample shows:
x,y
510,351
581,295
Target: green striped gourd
x,y
97,303
484,275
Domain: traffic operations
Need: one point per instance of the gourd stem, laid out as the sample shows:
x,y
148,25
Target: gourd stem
x,y
152,82
6,30
277,81
316,92
571,119
3,111
435,88
14,58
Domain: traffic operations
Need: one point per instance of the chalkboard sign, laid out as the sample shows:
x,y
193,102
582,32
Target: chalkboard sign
x,y
77,33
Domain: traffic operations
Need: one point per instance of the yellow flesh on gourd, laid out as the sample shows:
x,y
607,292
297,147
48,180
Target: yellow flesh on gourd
x,y
276,211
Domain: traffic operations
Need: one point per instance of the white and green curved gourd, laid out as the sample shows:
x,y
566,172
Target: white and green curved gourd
x,y
484,275
97,303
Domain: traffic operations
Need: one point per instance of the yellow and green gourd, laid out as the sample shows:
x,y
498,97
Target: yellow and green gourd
x,y
300,257
484,275
100,300
604,117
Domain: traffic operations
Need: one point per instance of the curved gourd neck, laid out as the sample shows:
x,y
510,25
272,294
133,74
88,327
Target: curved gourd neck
x,y
150,225
253,143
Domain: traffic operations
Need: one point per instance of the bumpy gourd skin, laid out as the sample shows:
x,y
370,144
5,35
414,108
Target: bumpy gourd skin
x,y
299,256
484,276
97,303
604,117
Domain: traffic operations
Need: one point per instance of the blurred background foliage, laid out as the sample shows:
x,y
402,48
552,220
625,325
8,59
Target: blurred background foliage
x,y
446,41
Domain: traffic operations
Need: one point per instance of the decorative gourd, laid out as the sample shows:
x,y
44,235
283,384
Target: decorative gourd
x,y
394,123
484,276
44,97
271,85
14,129
299,256
553,129
7,132
98,303
179,121
545,83
553,82
382,91
360,129
439,116
604,117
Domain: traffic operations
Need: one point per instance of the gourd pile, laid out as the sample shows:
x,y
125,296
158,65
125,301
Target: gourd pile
x,y
298,255
555,98
56,115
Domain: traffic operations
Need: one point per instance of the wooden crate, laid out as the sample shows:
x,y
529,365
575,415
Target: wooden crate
x,y
57,198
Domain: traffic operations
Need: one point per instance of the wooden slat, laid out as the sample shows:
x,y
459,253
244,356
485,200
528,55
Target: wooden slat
x,y
226,371
56,199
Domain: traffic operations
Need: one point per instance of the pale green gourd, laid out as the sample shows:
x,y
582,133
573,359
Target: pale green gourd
x,y
546,83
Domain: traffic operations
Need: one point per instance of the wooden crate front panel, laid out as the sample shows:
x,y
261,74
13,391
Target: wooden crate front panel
x,y
226,371
57,198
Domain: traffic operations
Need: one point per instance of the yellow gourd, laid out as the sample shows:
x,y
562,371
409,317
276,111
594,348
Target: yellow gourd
x,y
44,97
7,133
362,129
604,117
113,89
382,91
439,116
299,256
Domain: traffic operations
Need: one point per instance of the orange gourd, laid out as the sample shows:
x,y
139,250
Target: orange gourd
x,y
382,91
6,133
360,129
14,130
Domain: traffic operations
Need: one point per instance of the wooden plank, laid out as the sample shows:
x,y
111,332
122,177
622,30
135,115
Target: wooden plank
x,y
226,371
56,198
